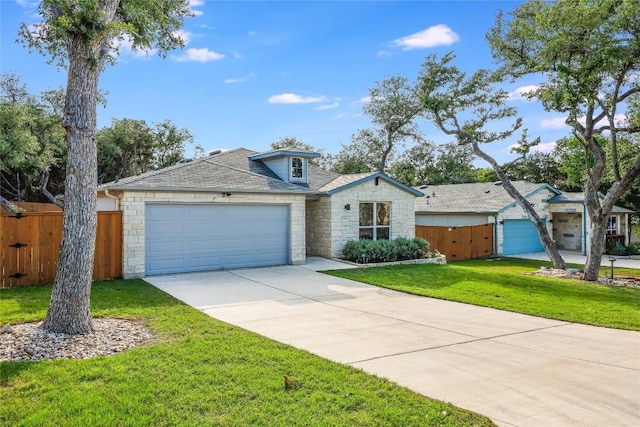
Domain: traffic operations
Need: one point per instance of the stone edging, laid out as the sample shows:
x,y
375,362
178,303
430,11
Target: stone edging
x,y
442,260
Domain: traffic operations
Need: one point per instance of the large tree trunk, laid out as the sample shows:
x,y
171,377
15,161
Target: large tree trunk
x,y
69,310
596,248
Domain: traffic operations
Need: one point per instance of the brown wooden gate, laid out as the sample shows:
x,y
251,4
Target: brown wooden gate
x,y
30,245
458,243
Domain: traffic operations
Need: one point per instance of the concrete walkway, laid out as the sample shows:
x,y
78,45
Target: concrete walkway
x,y
518,370
575,258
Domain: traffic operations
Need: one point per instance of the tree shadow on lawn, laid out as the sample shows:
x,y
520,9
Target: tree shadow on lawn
x,y
119,298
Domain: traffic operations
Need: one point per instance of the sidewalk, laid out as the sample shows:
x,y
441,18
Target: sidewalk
x,y
574,258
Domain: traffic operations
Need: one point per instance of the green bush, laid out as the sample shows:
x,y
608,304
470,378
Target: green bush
x,y
373,251
633,249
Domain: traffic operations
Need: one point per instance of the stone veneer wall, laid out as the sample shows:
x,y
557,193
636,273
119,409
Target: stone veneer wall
x,y
319,226
516,212
345,223
578,210
133,221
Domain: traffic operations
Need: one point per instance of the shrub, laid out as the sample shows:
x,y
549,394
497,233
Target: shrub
x,y
366,251
633,249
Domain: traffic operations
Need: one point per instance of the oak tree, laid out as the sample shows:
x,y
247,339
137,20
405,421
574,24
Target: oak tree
x,y
471,108
588,53
83,36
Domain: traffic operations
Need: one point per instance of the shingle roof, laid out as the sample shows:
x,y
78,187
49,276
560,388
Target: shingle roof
x,y
235,171
485,197
342,180
578,197
228,171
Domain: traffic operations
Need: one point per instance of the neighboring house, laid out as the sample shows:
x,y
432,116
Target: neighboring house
x,y
564,214
240,208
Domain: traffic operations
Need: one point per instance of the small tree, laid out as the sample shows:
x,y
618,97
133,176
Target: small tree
x,y
83,35
447,94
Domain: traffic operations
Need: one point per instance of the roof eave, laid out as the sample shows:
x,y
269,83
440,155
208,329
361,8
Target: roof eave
x,y
207,190
377,175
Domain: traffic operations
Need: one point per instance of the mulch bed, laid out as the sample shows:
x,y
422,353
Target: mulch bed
x,y
579,275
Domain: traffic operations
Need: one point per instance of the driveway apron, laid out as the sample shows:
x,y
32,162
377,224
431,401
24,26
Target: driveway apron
x,y
518,370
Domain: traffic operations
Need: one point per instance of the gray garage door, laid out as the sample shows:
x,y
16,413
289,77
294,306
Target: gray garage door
x,y
182,238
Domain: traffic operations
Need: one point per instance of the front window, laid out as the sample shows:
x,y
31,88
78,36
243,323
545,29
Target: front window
x,y
612,225
296,167
375,220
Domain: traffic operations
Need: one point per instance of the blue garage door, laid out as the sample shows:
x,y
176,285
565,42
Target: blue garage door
x,y
520,236
182,238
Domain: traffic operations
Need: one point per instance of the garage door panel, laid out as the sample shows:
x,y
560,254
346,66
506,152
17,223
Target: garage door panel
x,y
182,238
520,236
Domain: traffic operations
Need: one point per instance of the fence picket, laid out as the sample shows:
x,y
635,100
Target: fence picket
x,y
458,243
42,233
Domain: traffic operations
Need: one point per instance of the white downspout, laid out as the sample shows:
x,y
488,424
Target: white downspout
x,y
116,198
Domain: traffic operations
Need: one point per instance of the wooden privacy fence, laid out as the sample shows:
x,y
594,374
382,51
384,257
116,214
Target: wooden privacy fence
x,y
30,242
458,243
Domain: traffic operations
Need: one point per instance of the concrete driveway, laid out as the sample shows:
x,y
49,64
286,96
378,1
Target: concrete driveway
x,y
519,370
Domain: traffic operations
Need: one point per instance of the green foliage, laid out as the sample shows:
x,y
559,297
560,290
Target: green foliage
x,y
130,147
538,167
32,141
393,108
373,251
100,25
196,371
504,284
323,162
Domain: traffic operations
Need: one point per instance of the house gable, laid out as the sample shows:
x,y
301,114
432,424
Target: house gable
x,y
289,165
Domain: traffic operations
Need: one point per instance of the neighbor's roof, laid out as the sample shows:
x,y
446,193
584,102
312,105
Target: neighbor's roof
x,y
578,197
481,197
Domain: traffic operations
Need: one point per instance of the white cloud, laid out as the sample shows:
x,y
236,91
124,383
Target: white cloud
x,y
364,100
553,123
327,106
544,147
198,55
124,45
292,98
383,54
237,55
438,35
343,116
243,79
252,33
184,35
196,3
519,93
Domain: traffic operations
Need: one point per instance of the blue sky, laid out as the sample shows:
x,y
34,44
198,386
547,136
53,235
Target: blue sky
x,y
253,72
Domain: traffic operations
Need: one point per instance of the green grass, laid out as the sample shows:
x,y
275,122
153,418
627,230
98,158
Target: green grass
x,y
197,371
501,284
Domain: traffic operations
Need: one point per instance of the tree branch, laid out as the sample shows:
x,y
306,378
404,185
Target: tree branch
x,y
44,180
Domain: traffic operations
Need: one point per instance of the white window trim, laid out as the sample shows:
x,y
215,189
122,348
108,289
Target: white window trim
x,y
302,167
610,229
375,226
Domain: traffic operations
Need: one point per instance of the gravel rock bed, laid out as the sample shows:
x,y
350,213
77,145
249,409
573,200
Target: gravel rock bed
x,y
578,275
28,342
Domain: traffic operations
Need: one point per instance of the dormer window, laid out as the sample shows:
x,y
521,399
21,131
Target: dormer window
x,y
296,168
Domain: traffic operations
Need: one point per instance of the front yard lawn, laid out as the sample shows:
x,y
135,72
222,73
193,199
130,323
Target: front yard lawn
x,y
196,371
501,284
